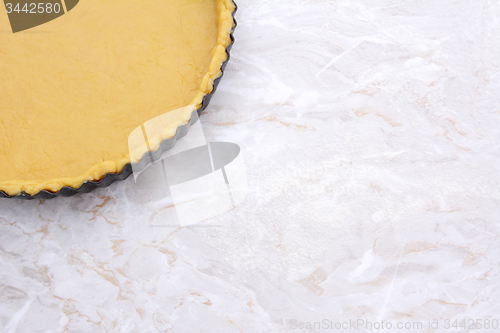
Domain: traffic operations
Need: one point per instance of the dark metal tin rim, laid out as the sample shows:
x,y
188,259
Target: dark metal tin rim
x,y
165,145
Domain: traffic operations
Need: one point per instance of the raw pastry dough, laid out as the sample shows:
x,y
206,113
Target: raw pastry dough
x,y
73,89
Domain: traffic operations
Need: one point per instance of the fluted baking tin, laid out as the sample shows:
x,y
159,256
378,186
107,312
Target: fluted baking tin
x,y
165,145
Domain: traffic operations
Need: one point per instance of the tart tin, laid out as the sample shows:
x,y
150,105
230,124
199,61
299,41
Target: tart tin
x,y
149,157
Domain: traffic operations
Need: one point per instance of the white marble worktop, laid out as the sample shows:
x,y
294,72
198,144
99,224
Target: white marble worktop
x,y
370,134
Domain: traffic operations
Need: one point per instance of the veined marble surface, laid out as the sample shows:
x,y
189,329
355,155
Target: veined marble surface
x,y
371,140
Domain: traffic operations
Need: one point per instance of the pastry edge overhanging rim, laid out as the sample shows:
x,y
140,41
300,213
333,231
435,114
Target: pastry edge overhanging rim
x,y
109,178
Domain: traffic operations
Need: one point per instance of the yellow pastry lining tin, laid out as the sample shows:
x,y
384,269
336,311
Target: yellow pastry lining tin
x,y
99,176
